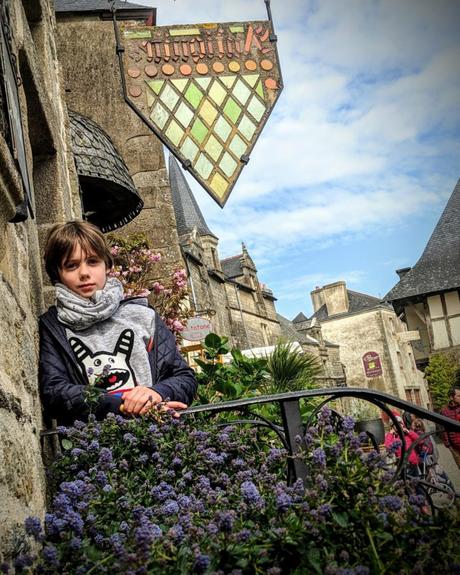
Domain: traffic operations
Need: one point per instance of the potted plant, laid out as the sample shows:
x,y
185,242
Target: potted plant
x,y
367,418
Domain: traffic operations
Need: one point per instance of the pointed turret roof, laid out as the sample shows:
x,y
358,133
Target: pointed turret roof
x,y
438,269
300,317
188,213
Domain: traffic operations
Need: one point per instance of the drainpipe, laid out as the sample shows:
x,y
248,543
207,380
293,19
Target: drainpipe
x,y
191,281
241,314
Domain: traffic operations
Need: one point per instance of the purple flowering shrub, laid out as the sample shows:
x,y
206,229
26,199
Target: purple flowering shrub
x,y
160,495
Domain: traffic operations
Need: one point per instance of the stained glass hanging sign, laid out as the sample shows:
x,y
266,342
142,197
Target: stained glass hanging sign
x,y
206,90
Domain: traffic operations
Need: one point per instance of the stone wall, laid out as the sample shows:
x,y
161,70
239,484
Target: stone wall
x,y
376,330
24,291
92,81
254,322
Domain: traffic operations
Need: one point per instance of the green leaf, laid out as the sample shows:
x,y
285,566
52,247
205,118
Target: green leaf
x,y
213,341
341,518
314,558
66,444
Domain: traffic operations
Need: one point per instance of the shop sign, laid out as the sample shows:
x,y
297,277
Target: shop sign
x,y
372,364
197,329
206,90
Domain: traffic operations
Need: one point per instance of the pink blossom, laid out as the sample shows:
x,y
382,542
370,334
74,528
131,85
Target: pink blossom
x,y
154,257
177,325
144,293
158,287
115,250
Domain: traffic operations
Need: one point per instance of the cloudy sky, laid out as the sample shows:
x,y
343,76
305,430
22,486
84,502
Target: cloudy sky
x,y
360,155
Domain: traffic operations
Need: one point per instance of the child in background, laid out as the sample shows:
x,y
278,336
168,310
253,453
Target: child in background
x,y
93,336
393,441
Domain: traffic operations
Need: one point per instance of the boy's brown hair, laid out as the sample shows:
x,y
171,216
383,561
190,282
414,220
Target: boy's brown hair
x,y
62,240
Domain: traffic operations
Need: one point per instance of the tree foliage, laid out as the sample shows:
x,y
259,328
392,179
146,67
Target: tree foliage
x,y
440,374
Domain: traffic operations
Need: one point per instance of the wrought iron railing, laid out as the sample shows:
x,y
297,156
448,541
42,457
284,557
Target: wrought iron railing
x,y
292,430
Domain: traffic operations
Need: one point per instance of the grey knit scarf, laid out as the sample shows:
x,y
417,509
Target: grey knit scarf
x,y
80,313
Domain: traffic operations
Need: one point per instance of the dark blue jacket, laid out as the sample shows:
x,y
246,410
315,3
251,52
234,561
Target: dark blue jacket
x,y
62,383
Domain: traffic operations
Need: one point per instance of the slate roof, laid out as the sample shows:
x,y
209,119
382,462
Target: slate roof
x,y
232,266
299,318
357,302
188,213
289,331
94,6
438,268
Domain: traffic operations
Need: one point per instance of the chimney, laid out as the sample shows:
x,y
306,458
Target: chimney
x,y
335,296
317,298
402,272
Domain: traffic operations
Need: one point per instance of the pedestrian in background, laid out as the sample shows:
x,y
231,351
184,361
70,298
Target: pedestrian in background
x,y
452,410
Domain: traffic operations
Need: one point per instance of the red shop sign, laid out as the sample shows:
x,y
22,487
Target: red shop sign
x,y
372,364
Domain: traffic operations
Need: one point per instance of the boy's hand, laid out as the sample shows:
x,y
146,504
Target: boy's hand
x,y
139,400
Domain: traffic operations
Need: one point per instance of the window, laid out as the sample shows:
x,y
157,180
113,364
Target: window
x,y
215,259
10,123
413,395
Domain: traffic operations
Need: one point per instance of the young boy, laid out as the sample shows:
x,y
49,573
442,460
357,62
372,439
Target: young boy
x,y
92,336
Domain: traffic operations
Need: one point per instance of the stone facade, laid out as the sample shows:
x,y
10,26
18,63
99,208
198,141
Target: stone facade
x,y
238,307
311,340
228,291
251,305
361,324
23,286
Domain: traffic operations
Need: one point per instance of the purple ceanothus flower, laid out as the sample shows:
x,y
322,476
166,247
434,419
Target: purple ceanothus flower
x,y
146,534
319,457
243,535
33,527
176,533
251,494
75,543
93,446
130,439
391,502
106,459
201,564
23,561
50,555
170,507
225,520
348,423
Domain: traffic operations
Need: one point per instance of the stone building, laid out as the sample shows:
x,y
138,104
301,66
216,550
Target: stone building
x,y
374,346
311,340
38,187
228,291
427,295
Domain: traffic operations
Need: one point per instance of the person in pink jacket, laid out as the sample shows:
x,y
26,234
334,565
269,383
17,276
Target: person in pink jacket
x,y
452,410
393,443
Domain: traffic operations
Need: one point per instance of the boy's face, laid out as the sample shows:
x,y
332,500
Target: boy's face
x,y
83,273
